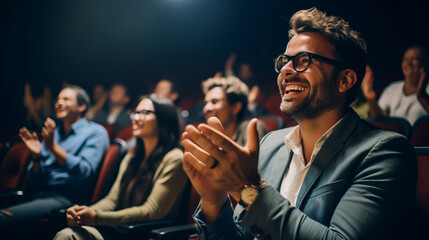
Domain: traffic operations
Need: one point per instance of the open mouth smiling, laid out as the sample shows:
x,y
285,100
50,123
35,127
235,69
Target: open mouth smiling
x,y
294,88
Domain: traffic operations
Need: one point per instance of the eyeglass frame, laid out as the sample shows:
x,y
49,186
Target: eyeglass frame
x,y
140,113
310,57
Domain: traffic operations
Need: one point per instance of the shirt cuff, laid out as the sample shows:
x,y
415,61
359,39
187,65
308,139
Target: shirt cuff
x,y
217,228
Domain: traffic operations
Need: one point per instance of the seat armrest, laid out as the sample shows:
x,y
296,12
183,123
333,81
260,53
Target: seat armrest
x,y
8,198
14,193
175,232
142,228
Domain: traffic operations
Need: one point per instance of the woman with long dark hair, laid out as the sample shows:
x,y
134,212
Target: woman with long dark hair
x,y
150,181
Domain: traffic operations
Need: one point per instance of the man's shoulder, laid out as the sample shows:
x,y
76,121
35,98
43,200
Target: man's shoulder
x,y
275,138
94,128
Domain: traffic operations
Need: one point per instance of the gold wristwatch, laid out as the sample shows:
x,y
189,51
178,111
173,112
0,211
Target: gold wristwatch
x,y
250,192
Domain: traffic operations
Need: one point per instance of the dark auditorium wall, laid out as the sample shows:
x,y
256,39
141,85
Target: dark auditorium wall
x,y
137,42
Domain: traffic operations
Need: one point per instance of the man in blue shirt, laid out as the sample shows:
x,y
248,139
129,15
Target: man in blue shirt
x,y
65,164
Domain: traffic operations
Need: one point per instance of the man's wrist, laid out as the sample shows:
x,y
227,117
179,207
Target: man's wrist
x,y
212,209
249,193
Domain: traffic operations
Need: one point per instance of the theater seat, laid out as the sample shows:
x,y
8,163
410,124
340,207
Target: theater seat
x,y
394,124
420,132
422,194
110,128
126,133
109,169
13,167
416,226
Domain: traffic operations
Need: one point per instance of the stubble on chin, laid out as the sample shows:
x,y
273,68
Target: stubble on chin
x,y
308,108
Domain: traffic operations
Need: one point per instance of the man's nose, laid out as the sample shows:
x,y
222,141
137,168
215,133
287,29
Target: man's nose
x,y
287,68
208,107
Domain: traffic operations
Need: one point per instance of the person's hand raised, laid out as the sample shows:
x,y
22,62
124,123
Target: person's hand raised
x,y
367,85
423,81
48,133
31,140
192,164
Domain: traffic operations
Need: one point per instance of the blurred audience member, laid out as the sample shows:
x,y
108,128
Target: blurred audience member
x,y
150,181
360,105
407,99
38,105
99,98
167,88
116,112
64,165
226,99
246,75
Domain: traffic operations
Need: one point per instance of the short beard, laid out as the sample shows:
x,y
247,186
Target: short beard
x,y
311,107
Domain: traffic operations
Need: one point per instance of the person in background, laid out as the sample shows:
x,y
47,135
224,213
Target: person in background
x,y
39,106
167,88
334,176
150,181
246,74
99,97
226,99
116,113
64,165
360,104
407,99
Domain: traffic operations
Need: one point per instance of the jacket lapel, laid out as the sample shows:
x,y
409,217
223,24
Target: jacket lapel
x,y
280,165
331,147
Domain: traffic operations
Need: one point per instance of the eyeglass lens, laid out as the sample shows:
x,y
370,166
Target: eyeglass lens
x,y
300,61
140,114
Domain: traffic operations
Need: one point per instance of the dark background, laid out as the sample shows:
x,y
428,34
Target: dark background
x,y
138,42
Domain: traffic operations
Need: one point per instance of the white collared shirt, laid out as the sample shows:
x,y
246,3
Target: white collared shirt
x,y
295,174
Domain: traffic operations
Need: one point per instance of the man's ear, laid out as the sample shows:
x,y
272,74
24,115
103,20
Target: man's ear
x,y
347,79
126,100
82,107
236,108
174,96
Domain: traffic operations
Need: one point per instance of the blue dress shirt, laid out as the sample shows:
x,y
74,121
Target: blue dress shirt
x,y
85,144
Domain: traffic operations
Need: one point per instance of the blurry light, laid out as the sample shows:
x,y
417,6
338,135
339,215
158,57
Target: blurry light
x,y
185,113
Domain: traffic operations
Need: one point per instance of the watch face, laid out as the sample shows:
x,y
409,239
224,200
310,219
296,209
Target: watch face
x,y
249,194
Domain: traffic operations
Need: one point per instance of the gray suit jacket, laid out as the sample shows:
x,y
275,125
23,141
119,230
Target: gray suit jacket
x,y
361,185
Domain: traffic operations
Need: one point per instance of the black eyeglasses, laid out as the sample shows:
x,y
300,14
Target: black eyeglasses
x,y
301,61
140,114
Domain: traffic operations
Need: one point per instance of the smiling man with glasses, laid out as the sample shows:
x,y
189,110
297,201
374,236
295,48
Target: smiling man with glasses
x,y
334,176
301,61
